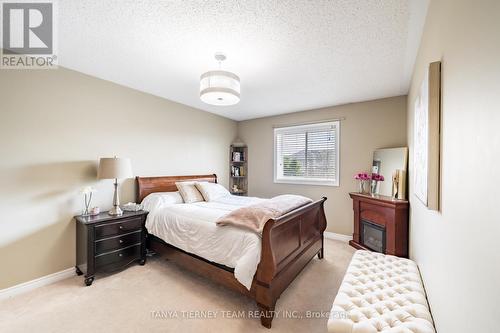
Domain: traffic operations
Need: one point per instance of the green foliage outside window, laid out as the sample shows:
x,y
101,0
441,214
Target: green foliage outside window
x,y
291,167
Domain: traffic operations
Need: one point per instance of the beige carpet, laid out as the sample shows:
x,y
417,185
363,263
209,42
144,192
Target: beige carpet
x,y
149,298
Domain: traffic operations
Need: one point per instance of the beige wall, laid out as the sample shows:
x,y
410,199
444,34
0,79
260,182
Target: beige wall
x,y
368,126
456,248
54,125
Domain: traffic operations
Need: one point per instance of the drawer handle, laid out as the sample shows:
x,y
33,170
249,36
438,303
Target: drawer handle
x,y
120,255
121,227
121,241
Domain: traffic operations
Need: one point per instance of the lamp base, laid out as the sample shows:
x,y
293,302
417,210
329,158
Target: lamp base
x,y
115,211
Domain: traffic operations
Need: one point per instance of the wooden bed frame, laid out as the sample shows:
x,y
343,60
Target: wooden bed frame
x,y
288,244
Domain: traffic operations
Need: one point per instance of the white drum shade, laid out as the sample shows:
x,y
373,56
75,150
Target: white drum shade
x,y
220,88
111,168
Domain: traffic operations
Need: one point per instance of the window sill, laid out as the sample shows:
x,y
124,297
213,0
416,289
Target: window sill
x,y
306,182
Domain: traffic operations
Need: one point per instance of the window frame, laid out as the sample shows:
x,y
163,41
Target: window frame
x,y
305,180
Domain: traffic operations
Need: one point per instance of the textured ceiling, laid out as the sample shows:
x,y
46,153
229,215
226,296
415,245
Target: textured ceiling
x,y
290,55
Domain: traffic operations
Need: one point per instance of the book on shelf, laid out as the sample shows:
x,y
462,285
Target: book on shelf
x,y
238,156
238,171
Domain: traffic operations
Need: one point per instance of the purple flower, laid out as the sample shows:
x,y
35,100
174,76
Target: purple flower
x,y
362,176
377,177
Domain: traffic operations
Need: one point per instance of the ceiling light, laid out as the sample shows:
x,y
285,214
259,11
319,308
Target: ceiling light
x,y
220,87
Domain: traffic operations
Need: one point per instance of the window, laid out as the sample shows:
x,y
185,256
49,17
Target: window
x,y
307,154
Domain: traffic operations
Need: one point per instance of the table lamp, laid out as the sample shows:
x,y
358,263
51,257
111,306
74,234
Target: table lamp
x,y
115,168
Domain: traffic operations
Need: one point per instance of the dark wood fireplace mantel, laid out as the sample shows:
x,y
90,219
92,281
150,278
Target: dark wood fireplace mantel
x,y
391,214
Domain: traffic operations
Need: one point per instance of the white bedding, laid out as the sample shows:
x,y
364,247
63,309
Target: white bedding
x,y
192,228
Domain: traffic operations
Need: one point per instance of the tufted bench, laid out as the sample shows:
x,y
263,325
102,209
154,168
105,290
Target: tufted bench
x,y
380,293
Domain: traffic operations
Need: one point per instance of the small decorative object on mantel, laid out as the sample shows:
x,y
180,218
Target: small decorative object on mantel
x,y
363,178
399,184
375,177
395,184
87,198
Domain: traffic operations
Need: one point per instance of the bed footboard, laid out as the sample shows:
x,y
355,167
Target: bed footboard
x,y
288,244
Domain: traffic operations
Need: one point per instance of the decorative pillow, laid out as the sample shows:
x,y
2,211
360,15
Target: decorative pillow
x,y
211,191
189,192
159,199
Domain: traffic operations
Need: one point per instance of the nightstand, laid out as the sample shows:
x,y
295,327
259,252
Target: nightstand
x,y
106,243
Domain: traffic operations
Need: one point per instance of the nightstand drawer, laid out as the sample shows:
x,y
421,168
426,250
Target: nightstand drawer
x,y
117,228
117,259
117,242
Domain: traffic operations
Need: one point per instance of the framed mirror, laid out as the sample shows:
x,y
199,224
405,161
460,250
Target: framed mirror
x,y
386,162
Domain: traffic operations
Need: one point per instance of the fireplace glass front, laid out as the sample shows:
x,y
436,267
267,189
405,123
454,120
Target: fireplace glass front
x,y
373,236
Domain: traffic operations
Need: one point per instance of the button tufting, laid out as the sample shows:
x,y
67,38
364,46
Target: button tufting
x,y
383,293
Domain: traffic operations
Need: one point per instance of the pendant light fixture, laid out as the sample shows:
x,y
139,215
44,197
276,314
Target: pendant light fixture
x,y
220,87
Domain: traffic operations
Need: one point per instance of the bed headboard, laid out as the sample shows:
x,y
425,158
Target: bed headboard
x,y
148,185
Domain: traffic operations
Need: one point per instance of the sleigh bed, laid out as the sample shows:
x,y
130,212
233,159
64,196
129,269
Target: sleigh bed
x,y
288,244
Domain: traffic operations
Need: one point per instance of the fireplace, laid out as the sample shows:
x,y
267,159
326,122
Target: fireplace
x,y
380,224
373,236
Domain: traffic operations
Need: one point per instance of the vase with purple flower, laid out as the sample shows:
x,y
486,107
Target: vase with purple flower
x,y
363,178
375,177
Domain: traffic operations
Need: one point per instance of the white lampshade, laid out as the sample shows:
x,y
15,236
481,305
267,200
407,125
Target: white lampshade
x,y
220,88
114,167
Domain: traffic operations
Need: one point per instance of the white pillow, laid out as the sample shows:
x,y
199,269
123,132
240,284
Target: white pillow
x,y
189,192
211,191
159,199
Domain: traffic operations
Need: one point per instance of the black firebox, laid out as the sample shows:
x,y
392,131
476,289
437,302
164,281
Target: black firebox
x,y
373,236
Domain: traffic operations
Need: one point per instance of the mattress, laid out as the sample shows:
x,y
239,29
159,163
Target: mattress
x,y
191,228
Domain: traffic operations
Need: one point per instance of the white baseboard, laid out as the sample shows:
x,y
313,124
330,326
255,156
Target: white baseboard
x,y
36,283
335,236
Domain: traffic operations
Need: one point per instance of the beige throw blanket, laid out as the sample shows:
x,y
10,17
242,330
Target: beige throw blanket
x,y
254,217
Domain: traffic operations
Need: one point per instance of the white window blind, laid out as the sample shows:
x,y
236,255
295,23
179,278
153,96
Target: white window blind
x,y
307,154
